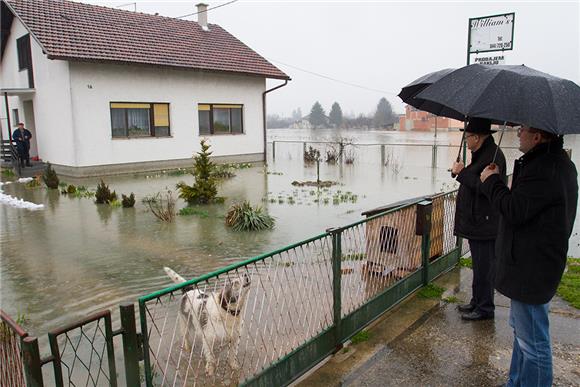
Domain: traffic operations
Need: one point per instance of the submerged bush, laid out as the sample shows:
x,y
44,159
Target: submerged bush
x,y
162,205
311,155
49,177
104,194
34,183
128,201
244,217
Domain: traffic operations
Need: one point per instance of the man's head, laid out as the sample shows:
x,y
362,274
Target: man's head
x,y
478,129
530,137
20,125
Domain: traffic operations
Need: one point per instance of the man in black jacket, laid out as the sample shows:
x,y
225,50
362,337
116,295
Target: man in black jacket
x,y
475,218
537,216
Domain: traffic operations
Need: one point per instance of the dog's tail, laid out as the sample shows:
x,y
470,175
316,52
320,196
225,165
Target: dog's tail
x,y
174,276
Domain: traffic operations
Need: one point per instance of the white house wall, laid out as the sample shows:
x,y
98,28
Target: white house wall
x,y
95,86
51,99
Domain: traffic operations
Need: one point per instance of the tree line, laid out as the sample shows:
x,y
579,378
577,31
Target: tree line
x,y
383,117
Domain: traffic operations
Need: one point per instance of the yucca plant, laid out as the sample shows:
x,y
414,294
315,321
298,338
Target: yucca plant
x,y
244,217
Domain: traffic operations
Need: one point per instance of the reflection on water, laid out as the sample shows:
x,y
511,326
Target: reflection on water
x,y
75,257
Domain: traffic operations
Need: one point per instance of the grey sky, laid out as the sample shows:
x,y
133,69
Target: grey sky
x,y
380,45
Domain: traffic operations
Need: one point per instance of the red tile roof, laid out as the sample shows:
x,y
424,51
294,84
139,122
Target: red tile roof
x,y
76,31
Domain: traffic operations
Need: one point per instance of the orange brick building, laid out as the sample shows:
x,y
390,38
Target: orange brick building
x,y
415,119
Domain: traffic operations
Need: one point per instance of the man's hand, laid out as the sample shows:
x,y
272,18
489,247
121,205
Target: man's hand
x,y
491,169
457,167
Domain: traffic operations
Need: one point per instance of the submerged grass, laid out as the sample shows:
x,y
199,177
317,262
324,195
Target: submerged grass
x,y
188,211
361,337
569,288
466,262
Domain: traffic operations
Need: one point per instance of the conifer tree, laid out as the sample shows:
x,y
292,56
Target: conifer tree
x,y
204,190
335,115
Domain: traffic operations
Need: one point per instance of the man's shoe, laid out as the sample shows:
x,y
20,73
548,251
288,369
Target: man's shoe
x,y
466,308
476,316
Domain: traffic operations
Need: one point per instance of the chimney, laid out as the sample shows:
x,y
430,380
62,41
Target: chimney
x,y
202,16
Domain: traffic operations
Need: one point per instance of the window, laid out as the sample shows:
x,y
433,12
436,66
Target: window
x,y
23,48
15,117
220,119
389,239
139,119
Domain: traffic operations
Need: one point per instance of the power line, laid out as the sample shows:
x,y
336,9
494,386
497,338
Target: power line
x,y
209,9
334,79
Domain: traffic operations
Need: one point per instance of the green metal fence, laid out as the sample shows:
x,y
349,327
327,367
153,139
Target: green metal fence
x,y
261,322
267,320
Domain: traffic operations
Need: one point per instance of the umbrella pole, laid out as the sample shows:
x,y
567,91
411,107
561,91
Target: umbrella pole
x,y
499,142
458,159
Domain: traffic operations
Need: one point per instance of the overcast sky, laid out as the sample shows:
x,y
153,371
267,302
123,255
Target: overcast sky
x,y
379,45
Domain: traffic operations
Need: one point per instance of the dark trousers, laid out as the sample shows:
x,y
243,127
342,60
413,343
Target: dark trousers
x,y
24,153
482,288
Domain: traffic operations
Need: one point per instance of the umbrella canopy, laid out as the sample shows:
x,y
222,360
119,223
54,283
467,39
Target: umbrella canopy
x,y
409,95
513,94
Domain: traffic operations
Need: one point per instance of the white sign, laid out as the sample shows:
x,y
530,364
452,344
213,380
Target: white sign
x,y
491,33
490,60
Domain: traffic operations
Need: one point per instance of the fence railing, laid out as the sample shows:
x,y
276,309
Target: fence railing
x,y
267,320
264,321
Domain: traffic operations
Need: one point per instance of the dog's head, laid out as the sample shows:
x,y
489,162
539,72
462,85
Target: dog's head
x,y
234,293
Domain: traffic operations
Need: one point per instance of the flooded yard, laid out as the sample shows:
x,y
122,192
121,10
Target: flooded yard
x,y
75,257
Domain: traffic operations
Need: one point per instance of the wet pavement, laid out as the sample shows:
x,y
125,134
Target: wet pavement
x,y
437,348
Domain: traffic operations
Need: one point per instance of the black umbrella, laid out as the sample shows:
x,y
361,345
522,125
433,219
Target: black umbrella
x,y
409,93
511,94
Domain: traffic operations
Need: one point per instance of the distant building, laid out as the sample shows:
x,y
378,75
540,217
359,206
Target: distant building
x,y
415,119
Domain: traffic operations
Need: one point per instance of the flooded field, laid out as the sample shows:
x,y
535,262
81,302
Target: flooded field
x,y
74,257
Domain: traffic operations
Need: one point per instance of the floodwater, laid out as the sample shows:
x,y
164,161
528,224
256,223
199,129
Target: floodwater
x,y
75,257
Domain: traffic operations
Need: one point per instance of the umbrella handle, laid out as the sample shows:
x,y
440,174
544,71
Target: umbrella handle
x,y
458,159
498,144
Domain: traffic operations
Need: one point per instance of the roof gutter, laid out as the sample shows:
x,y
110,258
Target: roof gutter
x,y
264,112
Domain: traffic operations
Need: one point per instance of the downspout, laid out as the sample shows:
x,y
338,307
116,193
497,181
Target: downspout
x,y
264,112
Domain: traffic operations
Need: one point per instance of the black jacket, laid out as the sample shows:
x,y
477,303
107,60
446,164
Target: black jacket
x,y
474,216
536,221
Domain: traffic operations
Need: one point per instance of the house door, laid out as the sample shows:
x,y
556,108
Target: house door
x,y
30,125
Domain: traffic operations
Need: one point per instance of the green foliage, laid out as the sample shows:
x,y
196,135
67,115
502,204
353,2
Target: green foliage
x,y
204,190
187,211
354,257
69,190
384,115
162,205
317,116
466,262
115,203
431,291
451,300
335,115
33,184
104,194
244,217
128,201
49,177
7,172
361,337
569,288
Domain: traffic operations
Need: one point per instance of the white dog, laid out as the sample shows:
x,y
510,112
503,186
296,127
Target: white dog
x,y
214,317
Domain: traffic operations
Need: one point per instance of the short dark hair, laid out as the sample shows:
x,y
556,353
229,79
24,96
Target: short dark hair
x,y
548,136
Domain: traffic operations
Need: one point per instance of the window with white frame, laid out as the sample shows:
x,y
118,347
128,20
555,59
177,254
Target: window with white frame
x,y
130,119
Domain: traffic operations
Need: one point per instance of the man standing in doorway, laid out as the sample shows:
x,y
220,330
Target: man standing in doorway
x,y
475,218
536,219
22,138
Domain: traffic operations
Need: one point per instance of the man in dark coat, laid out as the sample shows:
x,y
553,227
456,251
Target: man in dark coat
x,y
22,138
475,218
537,216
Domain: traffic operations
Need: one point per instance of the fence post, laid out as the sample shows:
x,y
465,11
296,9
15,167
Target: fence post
x,y
304,148
382,155
423,228
273,150
32,363
336,234
434,156
130,343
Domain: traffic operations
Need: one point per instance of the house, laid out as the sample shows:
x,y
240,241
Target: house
x,y
111,91
415,119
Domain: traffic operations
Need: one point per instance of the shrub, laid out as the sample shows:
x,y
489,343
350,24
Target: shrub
x,y
104,194
162,205
49,177
311,155
224,171
204,190
331,156
244,217
186,211
34,183
128,201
